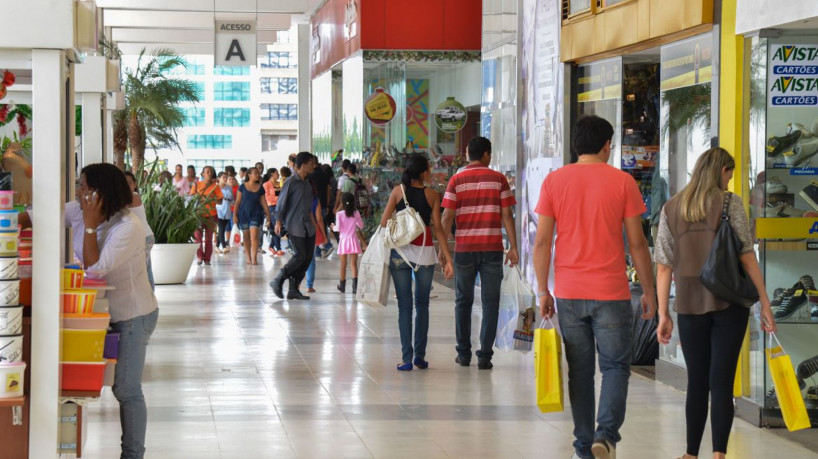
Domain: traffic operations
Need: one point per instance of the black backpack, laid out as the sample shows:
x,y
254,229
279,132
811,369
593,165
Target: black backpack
x,y
362,201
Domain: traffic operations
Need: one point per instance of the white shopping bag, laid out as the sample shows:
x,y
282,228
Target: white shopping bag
x,y
373,275
516,321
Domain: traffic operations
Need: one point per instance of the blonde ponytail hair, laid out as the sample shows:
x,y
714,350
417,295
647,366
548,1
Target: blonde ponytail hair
x,y
705,182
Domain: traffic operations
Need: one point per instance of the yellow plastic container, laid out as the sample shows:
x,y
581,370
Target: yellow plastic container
x,y
72,278
82,345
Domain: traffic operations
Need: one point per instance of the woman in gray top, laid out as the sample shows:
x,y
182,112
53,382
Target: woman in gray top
x,y
711,330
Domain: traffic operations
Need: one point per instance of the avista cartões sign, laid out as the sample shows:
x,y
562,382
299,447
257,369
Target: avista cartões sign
x,y
795,53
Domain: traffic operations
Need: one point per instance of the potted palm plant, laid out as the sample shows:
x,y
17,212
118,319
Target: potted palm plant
x,y
174,219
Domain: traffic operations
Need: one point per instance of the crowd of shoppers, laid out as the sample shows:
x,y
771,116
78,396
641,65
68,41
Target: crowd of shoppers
x,y
587,211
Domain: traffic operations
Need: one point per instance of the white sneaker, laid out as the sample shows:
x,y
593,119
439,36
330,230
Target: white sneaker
x,y
774,185
575,456
803,151
603,449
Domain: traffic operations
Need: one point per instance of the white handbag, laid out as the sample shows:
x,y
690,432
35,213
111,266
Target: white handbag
x,y
404,226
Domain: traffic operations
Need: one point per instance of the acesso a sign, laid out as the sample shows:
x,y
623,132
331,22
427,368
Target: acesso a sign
x,y
236,43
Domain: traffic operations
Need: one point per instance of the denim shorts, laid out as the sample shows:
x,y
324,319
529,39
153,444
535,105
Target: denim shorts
x,y
245,225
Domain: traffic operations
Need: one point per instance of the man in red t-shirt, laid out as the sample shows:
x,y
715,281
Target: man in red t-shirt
x,y
481,201
589,203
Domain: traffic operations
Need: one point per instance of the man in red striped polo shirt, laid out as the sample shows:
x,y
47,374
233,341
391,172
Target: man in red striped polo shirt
x,y
481,202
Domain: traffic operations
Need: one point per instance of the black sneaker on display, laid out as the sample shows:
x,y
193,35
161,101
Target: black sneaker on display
x,y
807,368
813,313
811,399
791,304
771,399
810,194
777,145
805,282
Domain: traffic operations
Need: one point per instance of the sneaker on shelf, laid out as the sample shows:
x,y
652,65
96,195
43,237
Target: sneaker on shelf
x,y
807,368
802,152
811,399
805,282
771,398
791,304
813,312
774,185
778,145
790,211
805,133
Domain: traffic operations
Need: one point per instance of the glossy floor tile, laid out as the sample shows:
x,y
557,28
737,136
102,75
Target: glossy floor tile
x,y
235,373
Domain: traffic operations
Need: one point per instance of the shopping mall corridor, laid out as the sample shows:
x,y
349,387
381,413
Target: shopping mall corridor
x,y
233,372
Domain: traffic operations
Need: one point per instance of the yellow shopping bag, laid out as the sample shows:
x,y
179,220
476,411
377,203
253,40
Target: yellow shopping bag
x,y
548,368
786,387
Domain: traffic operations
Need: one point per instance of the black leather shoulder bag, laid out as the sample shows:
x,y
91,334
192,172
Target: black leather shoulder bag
x,y
723,273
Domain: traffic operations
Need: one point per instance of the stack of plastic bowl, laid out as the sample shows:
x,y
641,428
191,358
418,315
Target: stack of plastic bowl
x,y
83,335
12,366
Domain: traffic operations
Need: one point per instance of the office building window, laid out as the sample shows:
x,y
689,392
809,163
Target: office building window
x,y
231,90
283,36
269,142
279,112
209,142
200,89
192,68
279,85
279,60
194,117
231,117
235,70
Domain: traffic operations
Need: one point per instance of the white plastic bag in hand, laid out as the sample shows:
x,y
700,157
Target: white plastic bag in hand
x,y
374,276
516,321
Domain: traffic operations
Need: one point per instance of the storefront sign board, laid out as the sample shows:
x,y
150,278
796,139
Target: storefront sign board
x,y
687,63
450,115
236,42
792,75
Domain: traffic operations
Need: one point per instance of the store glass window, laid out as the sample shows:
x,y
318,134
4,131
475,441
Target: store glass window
x,y
194,117
279,60
209,142
235,70
282,36
276,85
231,117
279,112
607,3
578,6
231,91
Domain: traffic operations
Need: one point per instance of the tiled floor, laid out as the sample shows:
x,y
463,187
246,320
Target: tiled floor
x,y
233,372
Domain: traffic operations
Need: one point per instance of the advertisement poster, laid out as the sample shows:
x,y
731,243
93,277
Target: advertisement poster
x,y
380,107
450,115
600,80
793,75
687,63
541,108
639,157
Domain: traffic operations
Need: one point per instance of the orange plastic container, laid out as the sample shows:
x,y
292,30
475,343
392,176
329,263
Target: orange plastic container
x,y
25,292
82,375
78,301
82,345
86,321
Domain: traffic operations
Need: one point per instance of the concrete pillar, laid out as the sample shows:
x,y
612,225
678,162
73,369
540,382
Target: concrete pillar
x,y
92,135
304,112
50,71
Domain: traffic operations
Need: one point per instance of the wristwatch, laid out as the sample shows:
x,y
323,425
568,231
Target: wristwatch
x,y
542,294
90,231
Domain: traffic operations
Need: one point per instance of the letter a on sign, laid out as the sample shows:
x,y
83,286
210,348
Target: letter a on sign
x,y
236,42
235,50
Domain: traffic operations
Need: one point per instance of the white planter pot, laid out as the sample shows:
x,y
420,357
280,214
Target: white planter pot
x,y
172,262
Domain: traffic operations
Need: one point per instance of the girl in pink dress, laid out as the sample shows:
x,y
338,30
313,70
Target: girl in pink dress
x,y
348,223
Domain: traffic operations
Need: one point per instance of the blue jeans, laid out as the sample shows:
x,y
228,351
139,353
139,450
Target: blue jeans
x,y
133,414
466,267
311,273
402,277
275,239
589,328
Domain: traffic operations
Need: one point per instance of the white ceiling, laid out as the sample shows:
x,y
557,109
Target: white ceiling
x,y
187,25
